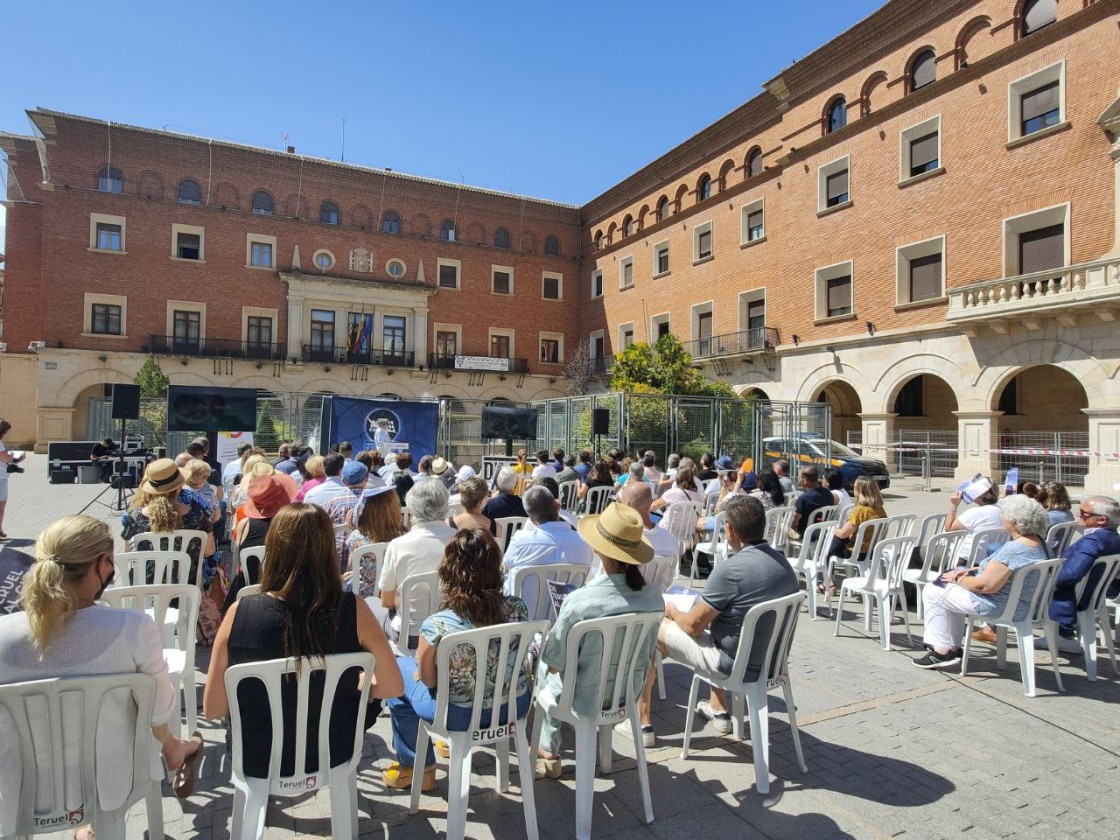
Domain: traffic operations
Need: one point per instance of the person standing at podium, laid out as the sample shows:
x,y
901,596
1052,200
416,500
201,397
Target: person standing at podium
x,y
381,438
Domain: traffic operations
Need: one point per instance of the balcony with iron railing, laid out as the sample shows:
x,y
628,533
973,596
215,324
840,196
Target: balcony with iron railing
x,y
1087,286
483,364
214,348
601,365
357,356
755,340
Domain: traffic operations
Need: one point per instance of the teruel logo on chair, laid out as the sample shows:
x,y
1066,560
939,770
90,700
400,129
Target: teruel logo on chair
x,y
306,783
486,736
616,716
75,816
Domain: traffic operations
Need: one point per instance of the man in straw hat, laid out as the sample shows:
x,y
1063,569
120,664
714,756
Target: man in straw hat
x,y
617,537
706,637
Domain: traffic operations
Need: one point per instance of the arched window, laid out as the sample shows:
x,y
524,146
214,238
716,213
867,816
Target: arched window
x,y
598,240
390,222
663,208
754,162
837,116
704,189
628,226
328,213
552,245
447,231
262,203
923,70
502,238
110,180
1037,14
190,192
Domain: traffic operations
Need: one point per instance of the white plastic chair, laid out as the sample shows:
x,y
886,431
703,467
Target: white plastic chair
x,y
1046,572
771,657
417,598
179,540
569,495
246,591
360,555
929,527
251,795
939,554
679,520
811,561
69,708
511,642
1059,537
983,542
530,584
1102,572
179,625
899,526
881,586
255,552
776,530
596,499
627,642
406,519
131,567
655,570
867,534
341,531
507,526
715,547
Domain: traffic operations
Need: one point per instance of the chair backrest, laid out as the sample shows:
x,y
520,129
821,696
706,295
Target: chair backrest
x,y
822,514
814,546
625,642
867,535
709,505
257,553
1061,535
454,510
764,656
982,542
508,526
776,531
843,511
417,598
569,495
530,585
406,519
69,710
1100,576
929,527
495,677
155,600
679,520
246,591
941,549
374,552
898,526
715,542
1045,572
182,539
660,569
167,567
596,499
272,674
341,532
889,559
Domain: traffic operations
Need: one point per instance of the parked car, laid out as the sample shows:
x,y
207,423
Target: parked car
x,y
826,454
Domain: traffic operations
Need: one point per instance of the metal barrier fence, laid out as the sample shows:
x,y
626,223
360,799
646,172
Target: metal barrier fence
x,y
914,449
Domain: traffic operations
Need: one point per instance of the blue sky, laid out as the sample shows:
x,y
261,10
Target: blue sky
x,y
558,100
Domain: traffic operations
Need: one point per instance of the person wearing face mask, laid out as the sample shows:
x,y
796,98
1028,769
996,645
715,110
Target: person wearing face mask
x,y
63,632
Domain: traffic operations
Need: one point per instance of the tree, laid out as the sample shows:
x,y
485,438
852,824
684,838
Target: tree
x,y
664,368
266,437
152,380
579,369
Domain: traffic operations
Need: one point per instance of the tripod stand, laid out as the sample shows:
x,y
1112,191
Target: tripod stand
x,y
120,482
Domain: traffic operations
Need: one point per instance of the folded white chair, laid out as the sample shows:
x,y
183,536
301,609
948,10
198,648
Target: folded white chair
x,y
507,526
250,589
1061,536
255,552
596,499
417,598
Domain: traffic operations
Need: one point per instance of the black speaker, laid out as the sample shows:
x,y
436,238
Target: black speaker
x,y
600,421
63,476
126,402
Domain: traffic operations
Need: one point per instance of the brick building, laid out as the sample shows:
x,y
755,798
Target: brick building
x,y
916,223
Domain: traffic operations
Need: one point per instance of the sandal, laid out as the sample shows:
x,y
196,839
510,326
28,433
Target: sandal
x,y
550,767
187,774
400,778
442,748
820,589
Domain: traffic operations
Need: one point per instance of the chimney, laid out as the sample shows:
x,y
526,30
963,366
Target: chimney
x,y
291,150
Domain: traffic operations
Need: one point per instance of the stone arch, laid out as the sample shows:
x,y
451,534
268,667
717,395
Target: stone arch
x,y
643,214
968,49
547,394
901,370
725,174
503,392
753,392
67,395
380,389
296,207
908,71
315,383
867,92
361,216
1041,398
151,185
678,200
453,391
475,233
421,226
1093,374
837,100
610,233
226,196
846,406
817,378
935,396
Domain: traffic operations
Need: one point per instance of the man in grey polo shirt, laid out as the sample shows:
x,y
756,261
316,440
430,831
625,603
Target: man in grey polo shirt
x,y
707,636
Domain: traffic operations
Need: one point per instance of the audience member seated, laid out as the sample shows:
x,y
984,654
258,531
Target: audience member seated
x,y
424,468
813,497
600,476
984,516
683,490
552,487
333,486
472,494
1099,516
868,506
506,502
418,551
101,456
346,450
231,473
316,475
341,506
707,469
63,632
198,475
558,459
301,611
617,538
781,470
376,519
771,485
568,471
1055,498
834,479
266,497
634,472
471,578
544,467
983,591
286,463
706,637
523,470
649,464
442,470
672,464
583,468
391,466
551,541
376,463
402,482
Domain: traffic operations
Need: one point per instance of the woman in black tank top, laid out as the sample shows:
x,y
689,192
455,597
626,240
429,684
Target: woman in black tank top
x,y
301,612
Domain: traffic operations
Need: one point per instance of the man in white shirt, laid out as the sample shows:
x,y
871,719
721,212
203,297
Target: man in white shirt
x,y
418,551
544,467
332,486
551,541
381,438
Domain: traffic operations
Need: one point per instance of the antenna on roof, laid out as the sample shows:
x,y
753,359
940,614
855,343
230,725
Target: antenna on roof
x,y
344,139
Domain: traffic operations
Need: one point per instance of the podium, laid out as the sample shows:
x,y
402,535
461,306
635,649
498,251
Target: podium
x,y
392,448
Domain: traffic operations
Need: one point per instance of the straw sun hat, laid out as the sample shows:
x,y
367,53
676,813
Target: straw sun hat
x,y
617,533
163,477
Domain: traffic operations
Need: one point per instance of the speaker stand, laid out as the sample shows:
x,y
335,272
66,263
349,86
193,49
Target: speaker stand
x,y
120,504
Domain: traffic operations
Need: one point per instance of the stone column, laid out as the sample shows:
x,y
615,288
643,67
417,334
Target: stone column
x,y
1104,437
878,434
420,335
977,437
295,327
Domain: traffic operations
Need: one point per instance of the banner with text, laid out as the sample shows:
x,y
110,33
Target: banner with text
x,y
355,419
228,443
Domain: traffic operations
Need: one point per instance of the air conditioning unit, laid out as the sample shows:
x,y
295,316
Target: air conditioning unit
x,y
3,347
36,346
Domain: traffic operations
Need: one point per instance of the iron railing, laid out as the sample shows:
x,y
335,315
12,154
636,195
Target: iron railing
x,y
729,344
348,356
437,361
602,365
214,347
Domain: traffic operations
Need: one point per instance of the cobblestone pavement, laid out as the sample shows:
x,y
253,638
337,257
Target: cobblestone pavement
x,y
892,750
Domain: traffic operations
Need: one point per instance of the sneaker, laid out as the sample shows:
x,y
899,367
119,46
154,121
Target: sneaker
x,y
1067,645
721,721
933,659
648,737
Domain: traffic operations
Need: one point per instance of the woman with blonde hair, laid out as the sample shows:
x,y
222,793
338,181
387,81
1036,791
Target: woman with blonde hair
x,y
318,475
868,506
524,471
63,632
198,474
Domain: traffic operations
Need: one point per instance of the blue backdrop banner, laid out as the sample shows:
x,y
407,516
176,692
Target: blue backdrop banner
x,y
355,419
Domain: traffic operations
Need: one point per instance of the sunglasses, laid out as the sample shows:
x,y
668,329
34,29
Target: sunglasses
x,y
1081,514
